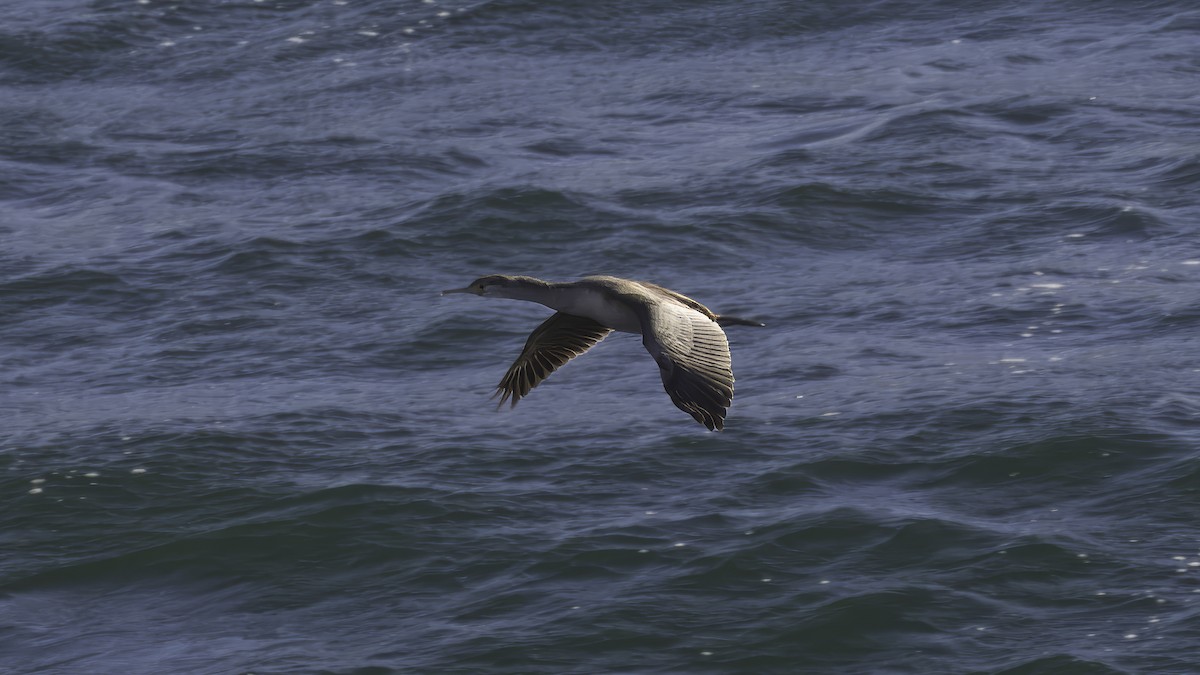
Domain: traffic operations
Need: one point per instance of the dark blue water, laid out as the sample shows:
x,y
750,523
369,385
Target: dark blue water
x,y
243,433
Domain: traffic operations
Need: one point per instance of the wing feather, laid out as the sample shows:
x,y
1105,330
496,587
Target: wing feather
x,y
557,340
693,359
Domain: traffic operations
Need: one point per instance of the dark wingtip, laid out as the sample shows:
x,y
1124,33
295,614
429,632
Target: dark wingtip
x,y
505,395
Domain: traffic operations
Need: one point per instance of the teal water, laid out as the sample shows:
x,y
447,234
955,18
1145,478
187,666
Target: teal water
x,y
244,434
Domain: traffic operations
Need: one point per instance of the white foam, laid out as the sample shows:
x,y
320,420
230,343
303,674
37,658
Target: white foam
x,y
138,471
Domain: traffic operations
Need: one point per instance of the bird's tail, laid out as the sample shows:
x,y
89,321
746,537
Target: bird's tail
x,y
737,321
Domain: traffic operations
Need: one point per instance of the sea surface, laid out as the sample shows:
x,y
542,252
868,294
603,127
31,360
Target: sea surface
x,y
242,432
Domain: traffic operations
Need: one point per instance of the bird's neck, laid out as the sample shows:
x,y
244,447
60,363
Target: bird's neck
x,y
544,293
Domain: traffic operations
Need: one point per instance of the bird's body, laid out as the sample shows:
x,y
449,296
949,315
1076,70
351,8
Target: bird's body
x,y
601,299
682,335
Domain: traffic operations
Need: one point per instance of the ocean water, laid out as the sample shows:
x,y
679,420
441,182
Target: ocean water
x,y
242,432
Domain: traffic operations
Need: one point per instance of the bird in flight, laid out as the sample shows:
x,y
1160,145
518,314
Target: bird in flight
x,y
684,337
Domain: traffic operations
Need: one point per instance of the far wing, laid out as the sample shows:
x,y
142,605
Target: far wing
x,y
693,359
559,339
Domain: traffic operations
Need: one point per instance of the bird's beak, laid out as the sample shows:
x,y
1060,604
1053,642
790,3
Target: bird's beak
x,y
458,290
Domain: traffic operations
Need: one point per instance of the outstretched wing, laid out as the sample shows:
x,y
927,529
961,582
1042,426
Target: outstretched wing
x,y
559,339
693,359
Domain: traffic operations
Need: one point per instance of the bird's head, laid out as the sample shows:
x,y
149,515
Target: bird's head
x,y
494,285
